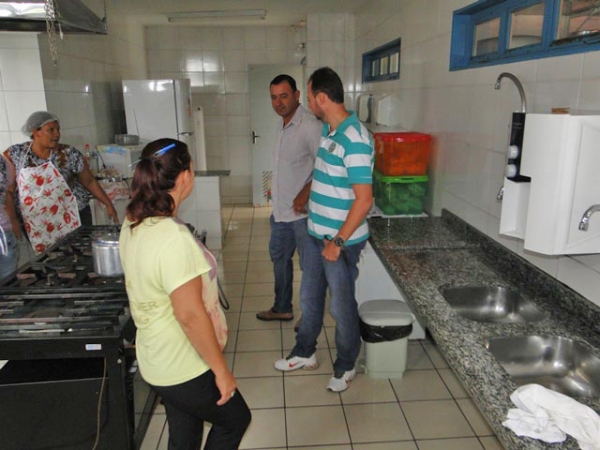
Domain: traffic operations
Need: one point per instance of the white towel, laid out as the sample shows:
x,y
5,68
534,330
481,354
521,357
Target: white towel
x,y
549,416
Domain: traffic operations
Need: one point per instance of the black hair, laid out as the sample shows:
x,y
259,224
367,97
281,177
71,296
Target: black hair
x,y
325,80
155,174
283,78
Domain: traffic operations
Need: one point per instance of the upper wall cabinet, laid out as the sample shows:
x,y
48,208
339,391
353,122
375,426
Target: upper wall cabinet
x,y
562,156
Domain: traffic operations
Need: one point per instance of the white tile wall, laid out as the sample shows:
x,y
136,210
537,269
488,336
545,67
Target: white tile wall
x,y
469,119
216,59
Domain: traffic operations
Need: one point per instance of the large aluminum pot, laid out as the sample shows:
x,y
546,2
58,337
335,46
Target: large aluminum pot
x,y
105,251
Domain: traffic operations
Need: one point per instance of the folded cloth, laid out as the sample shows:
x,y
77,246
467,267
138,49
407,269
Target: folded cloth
x,y
549,416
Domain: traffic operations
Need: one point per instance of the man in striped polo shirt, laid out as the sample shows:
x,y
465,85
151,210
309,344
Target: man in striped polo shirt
x,y
341,196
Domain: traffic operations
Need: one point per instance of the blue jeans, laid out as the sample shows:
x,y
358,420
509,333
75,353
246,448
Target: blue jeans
x,y
340,276
8,263
285,238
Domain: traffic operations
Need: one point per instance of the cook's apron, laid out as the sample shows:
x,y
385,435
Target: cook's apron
x,y
48,206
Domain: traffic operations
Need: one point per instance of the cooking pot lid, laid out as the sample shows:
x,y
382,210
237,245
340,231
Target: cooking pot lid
x,y
108,239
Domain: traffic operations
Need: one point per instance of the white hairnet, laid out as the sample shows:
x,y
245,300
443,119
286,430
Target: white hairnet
x,y
37,120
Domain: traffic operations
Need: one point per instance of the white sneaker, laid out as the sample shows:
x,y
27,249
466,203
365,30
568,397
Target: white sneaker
x,y
296,362
340,380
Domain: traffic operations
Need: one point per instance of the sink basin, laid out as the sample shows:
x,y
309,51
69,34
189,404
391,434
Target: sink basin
x,y
557,363
491,304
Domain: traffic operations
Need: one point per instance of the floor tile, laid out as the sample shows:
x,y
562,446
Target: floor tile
x,y
259,256
325,447
404,445
267,429
453,383
154,432
258,340
248,321
376,422
256,304
233,290
316,425
261,393
235,304
255,364
451,444
420,385
232,278
258,289
309,391
416,357
476,420
491,443
434,354
231,267
367,390
445,414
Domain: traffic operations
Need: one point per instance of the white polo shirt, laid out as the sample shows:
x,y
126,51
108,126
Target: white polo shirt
x,y
293,162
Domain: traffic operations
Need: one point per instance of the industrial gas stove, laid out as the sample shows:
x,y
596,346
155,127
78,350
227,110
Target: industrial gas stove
x,y
68,373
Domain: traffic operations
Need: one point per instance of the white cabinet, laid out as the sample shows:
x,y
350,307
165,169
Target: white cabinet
x,y
202,209
562,157
374,283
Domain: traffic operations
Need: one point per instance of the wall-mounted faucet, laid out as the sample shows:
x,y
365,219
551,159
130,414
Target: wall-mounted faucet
x,y
500,194
583,225
519,87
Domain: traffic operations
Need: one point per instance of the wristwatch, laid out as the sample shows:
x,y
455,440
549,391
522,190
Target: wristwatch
x,y
338,241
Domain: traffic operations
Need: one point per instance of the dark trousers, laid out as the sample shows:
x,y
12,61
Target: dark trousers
x,y
85,216
191,403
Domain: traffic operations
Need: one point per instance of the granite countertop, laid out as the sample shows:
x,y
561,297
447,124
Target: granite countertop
x,y
212,173
423,254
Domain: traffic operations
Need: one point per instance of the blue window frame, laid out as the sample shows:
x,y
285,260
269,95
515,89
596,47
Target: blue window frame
x,y
382,63
485,32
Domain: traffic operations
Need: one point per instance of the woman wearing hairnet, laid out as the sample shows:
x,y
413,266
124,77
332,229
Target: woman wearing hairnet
x,y
53,181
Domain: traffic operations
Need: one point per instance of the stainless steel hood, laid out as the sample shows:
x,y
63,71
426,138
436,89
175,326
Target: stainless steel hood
x,y
30,15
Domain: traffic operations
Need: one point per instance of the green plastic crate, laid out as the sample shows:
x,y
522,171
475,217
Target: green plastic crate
x,y
399,195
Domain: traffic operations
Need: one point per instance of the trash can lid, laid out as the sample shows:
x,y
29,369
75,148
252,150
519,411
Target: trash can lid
x,y
386,313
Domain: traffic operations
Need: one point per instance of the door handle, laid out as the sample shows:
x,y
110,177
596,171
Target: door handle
x,y
254,137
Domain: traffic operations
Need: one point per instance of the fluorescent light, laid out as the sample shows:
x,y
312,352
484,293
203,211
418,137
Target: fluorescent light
x,y
242,14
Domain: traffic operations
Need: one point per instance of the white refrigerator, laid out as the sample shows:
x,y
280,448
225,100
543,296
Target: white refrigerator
x,y
157,109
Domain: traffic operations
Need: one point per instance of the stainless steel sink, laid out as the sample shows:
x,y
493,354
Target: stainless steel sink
x,y
557,363
491,304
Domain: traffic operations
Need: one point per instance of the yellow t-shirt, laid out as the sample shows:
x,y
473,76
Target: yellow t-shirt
x,y
158,256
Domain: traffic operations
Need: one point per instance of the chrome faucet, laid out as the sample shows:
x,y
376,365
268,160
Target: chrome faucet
x,y
583,225
519,87
500,194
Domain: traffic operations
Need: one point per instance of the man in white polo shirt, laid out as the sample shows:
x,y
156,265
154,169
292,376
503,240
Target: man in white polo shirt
x,y
293,164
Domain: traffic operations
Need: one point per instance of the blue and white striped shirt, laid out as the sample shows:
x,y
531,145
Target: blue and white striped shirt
x,y
345,157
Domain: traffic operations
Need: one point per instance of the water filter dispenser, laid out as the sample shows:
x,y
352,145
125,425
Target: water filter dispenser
x,y
515,149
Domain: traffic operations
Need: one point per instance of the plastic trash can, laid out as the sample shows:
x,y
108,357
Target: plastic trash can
x,y
385,326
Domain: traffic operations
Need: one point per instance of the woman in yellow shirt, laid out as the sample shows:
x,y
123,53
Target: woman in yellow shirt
x,y
171,282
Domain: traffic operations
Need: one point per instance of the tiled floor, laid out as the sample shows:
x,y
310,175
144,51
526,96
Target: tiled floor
x,y
426,410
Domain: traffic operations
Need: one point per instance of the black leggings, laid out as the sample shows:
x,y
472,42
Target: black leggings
x,y
191,403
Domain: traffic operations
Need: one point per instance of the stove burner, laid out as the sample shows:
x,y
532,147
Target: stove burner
x,y
42,312
45,313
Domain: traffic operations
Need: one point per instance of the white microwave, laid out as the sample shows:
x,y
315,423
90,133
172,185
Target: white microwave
x,y
121,157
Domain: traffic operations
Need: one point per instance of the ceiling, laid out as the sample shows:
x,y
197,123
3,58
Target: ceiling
x,y
279,12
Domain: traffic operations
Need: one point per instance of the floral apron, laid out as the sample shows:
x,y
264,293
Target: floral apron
x,y
48,206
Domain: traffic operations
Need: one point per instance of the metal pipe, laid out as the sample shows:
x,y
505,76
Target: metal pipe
x,y
519,87
583,225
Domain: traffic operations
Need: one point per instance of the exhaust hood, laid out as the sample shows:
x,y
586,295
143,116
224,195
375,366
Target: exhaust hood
x,y
73,15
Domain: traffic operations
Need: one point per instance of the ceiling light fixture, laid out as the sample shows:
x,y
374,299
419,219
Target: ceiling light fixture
x,y
242,14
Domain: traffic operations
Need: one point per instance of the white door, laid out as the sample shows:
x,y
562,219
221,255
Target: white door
x,y
263,125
